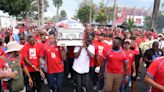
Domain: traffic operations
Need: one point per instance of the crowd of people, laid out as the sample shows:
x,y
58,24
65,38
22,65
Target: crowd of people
x,y
109,60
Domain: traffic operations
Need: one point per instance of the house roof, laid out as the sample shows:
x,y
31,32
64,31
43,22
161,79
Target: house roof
x,y
137,11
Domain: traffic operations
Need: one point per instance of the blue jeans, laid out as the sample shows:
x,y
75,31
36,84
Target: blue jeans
x,y
123,86
101,83
101,80
55,81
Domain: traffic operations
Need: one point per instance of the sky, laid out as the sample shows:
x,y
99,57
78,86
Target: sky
x,y
71,6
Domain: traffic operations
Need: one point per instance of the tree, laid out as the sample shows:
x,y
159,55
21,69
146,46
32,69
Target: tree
x,y
31,9
160,22
147,23
57,4
155,14
13,7
109,13
101,16
21,8
84,13
63,14
130,25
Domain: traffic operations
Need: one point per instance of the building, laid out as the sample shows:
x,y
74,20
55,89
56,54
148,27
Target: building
x,y
137,14
7,21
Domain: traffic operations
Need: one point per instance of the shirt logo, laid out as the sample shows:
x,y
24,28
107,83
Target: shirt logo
x,y
160,53
100,49
53,55
32,53
111,56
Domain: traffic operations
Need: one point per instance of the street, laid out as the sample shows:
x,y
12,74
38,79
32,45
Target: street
x,y
68,87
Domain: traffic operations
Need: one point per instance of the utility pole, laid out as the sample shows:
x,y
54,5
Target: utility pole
x,y
155,14
106,12
114,14
90,15
40,13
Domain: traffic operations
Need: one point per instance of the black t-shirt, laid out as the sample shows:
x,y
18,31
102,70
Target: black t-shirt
x,y
152,55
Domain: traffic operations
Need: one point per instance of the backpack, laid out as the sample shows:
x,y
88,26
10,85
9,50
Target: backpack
x,y
18,83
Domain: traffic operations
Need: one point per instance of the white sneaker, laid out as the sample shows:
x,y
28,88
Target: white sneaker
x,y
84,89
100,91
130,84
138,78
94,87
144,65
69,76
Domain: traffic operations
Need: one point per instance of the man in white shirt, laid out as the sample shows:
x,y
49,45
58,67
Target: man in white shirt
x,y
81,66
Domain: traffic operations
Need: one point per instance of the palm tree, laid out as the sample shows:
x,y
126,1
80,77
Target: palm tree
x,y
57,4
155,14
130,25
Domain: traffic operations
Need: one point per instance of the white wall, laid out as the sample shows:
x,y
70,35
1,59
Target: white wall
x,y
137,17
7,22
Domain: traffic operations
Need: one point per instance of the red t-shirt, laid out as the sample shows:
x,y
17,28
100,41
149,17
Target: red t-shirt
x,y
37,37
99,48
138,40
44,44
54,60
93,60
136,50
154,34
1,52
115,61
33,53
70,53
130,55
21,29
156,71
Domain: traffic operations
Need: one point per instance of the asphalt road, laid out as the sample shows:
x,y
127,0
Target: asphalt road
x,y
68,86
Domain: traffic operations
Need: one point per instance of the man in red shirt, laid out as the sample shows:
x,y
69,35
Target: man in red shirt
x,y
114,66
32,52
155,75
43,42
55,68
100,47
131,64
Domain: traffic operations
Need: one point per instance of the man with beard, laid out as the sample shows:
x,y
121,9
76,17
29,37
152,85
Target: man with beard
x,y
32,52
116,59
